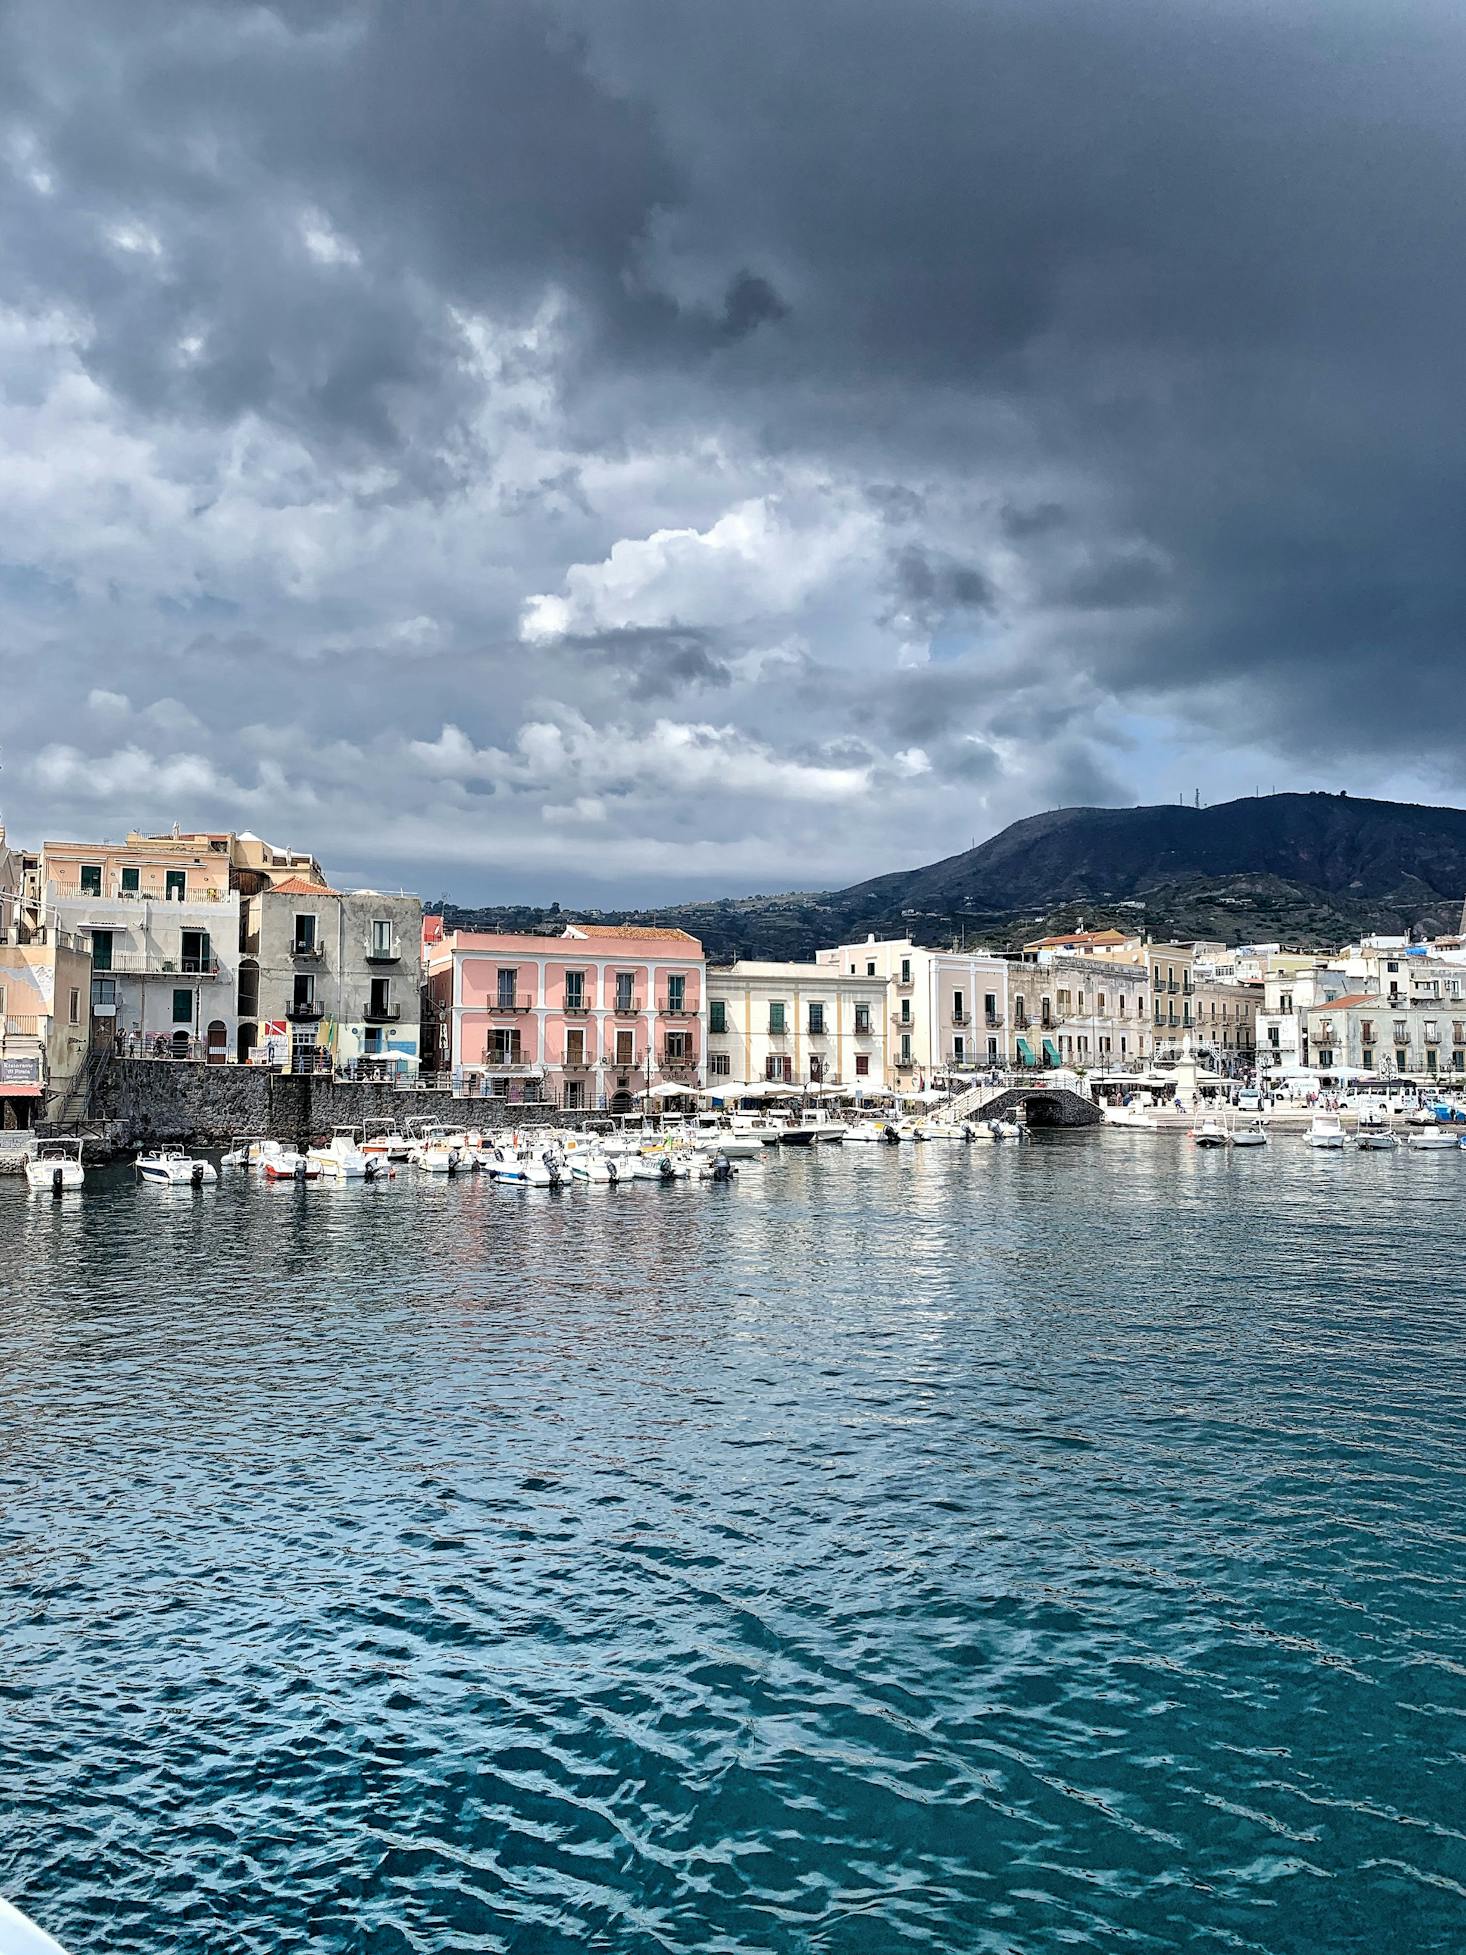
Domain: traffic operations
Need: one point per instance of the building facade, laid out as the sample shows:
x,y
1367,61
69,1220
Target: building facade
x,y
162,922
797,1025
330,978
1362,1032
947,1010
45,1024
600,1017
1070,1009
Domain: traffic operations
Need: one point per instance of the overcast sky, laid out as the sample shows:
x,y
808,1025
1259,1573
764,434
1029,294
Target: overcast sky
x,y
623,450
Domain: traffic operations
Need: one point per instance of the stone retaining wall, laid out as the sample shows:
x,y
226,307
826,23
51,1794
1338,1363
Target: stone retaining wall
x,y
142,1101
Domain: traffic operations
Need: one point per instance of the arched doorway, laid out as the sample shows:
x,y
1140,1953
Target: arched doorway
x,y
181,1043
622,1103
244,1044
217,1042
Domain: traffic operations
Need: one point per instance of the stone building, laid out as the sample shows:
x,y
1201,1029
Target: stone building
x,y
330,977
1072,1009
946,1010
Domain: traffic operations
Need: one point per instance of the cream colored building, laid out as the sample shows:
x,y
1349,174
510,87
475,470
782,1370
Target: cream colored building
x,y
1392,1037
947,1010
797,1024
44,1024
1071,1009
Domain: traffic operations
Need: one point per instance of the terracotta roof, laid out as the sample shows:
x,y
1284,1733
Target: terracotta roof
x,y
1352,998
1081,937
298,886
635,932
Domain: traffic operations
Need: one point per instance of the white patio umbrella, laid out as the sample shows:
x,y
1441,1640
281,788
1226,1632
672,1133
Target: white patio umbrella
x,y
670,1090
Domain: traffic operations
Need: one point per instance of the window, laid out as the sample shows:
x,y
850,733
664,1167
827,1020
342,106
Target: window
x,y
1020,1012
778,1066
379,1005
624,999
990,1007
1432,1032
1402,1060
862,1018
197,952
862,1065
776,1016
104,992
676,993
906,970
175,886
91,879
717,1015
956,1007
1063,1004
870,970
574,1094
626,1048
305,992
1458,1059
102,950
129,882
504,1047
816,1021
1368,1058
1401,1032
1430,1060
959,1052
182,1006
816,1072
1099,1004
305,935
575,1047
381,936
508,992
675,1048
1274,1035
1285,1001
575,991
905,1011
720,1065
73,1014
906,1047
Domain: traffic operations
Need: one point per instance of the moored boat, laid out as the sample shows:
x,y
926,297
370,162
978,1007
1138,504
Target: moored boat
x,y
167,1167
56,1168
1326,1130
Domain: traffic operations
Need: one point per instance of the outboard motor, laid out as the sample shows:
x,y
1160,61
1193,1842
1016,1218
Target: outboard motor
x,y
58,1183
452,1160
889,1134
552,1163
299,1169
614,1171
369,1172
665,1170
196,1175
722,1168
967,1132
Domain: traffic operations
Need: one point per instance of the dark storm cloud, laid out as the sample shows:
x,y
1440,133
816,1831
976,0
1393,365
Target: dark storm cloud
x,y
1130,331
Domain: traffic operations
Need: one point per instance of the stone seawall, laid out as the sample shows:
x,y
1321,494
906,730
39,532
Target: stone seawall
x,y
142,1101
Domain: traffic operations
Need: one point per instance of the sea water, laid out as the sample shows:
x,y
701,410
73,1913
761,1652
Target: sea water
x,y
972,1549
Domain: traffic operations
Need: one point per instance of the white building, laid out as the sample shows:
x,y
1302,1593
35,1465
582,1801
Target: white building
x,y
798,1024
946,1009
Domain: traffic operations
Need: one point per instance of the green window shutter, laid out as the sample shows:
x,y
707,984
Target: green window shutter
x,y
130,881
717,1016
776,1018
182,1007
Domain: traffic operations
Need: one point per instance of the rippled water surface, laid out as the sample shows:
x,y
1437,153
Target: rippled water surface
x,y
958,1549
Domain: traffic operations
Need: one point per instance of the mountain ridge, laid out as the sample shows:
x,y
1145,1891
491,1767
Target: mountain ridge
x,y
1293,866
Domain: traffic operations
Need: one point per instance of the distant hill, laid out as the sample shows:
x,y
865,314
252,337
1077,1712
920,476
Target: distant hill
x,y
1314,868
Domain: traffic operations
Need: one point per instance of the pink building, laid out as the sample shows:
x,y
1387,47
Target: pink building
x,y
596,1018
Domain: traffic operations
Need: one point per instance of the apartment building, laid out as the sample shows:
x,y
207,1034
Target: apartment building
x,y
45,1024
329,978
797,1025
1225,1016
161,919
598,1017
1394,1037
946,1010
1070,1008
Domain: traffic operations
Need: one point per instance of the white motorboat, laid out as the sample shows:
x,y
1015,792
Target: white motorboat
x,y
940,1129
869,1132
286,1164
19,1935
765,1130
528,1169
170,1168
343,1159
244,1151
1435,1139
1375,1132
588,1164
1210,1132
1254,1134
999,1129
811,1129
56,1167
381,1140
1326,1130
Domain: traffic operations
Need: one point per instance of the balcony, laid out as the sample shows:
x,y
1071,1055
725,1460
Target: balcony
x,y
377,1011
511,1001
304,1010
153,965
518,1067
960,1018
626,1007
384,953
992,1019
1432,1035
578,1064
678,1062
668,1010
575,1007
780,1031
864,1029
313,952
906,983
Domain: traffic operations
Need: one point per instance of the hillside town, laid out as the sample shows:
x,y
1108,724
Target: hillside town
x,y
220,949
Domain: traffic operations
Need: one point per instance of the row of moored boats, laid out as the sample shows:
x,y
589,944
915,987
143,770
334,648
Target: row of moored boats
x,y
1373,1134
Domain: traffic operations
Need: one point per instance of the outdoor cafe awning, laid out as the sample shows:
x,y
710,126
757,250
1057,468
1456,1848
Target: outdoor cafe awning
x,y
1026,1053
